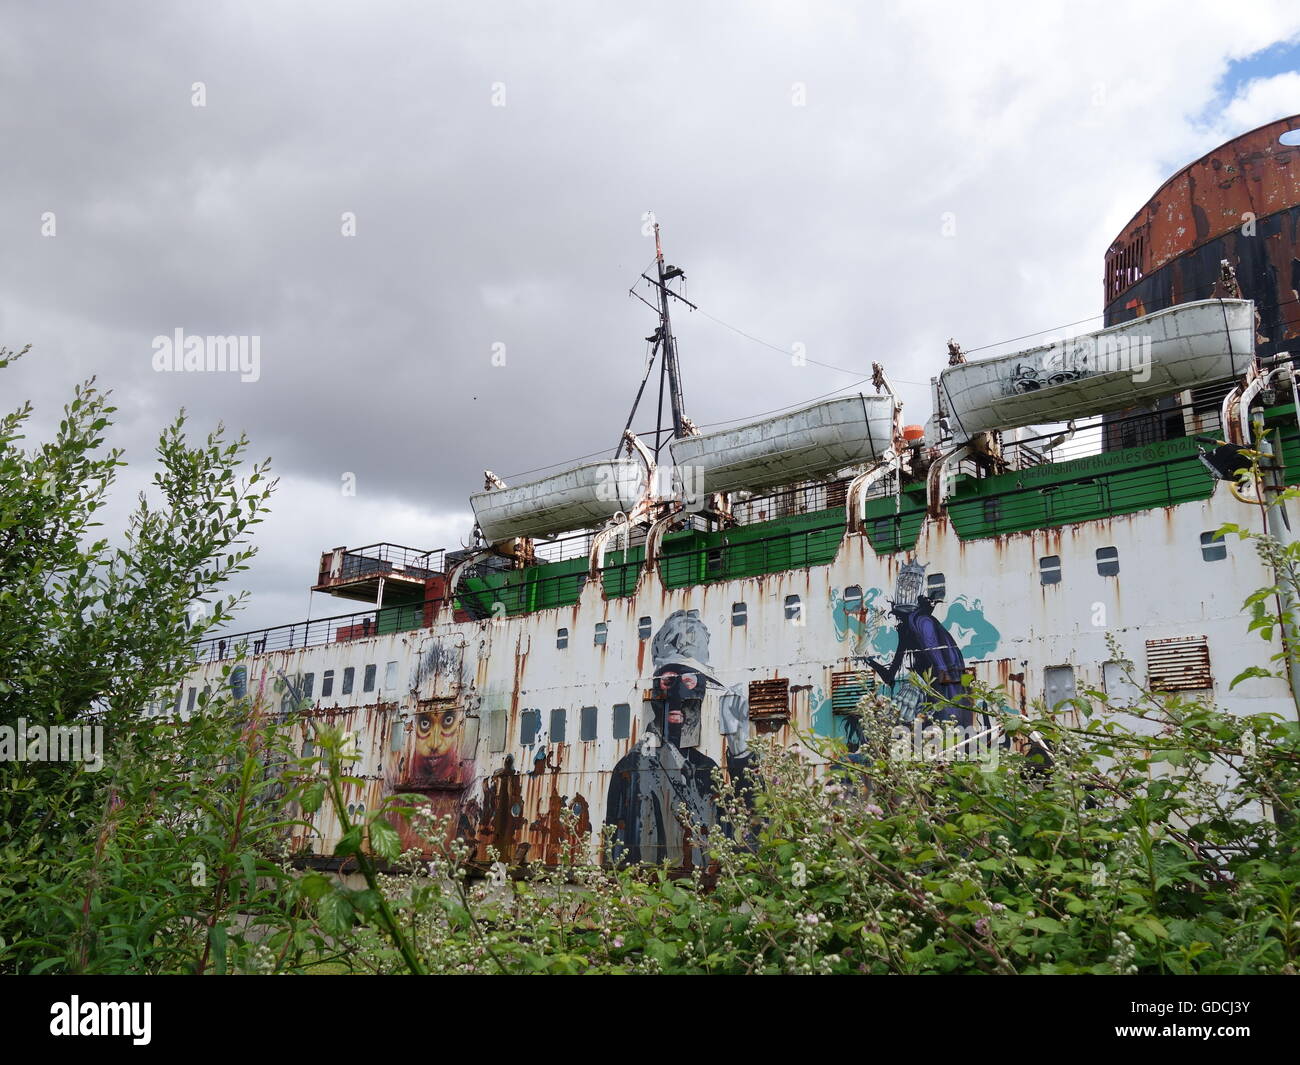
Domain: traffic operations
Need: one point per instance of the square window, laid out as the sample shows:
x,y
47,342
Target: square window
x,y
557,725
327,684
1108,561
349,677
390,677
793,608
587,724
602,633
882,530
561,639
853,598
1213,549
935,587
739,614
643,627
530,724
713,564
397,736
1049,569
992,511
622,721
368,679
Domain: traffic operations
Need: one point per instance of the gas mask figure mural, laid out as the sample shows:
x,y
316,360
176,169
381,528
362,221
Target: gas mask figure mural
x,y
661,795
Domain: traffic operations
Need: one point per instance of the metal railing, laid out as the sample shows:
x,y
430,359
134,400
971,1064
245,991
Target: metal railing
x,y
314,633
387,558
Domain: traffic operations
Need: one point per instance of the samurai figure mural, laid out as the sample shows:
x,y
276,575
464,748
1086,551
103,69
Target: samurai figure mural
x,y
661,795
928,651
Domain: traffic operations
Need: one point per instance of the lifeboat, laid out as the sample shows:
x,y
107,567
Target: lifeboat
x,y
800,445
1186,346
576,498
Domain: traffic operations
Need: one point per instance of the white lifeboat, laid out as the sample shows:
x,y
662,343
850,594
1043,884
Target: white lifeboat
x,y
579,497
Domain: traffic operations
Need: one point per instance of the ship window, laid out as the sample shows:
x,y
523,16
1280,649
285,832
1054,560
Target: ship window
x,y
561,638
1213,549
853,598
587,724
793,608
557,724
308,683
882,530
368,682
992,511
530,724
189,700
327,684
739,614
349,676
643,627
936,587
713,563
1108,561
622,721
308,748
390,677
1049,569
602,633
396,735
497,731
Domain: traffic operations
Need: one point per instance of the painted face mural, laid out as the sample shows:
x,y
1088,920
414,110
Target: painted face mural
x,y
435,746
661,794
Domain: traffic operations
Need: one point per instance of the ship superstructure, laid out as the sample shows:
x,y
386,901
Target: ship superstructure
x,y
623,628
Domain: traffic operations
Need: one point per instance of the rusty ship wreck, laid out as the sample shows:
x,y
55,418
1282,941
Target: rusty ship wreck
x,y
624,627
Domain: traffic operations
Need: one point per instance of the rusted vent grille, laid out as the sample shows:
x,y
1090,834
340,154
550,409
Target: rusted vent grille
x,y
836,493
1179,665
769,699
846,691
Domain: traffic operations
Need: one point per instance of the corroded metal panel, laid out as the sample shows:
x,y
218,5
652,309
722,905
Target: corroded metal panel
x,y
1239,203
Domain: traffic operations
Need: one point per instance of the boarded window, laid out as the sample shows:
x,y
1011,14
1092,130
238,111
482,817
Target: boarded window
x,y
739,614
327,683
190,699
308,685
1049,569
936,587
1059,684
1180,664
793,608
1108,561
587,724
497,731
622,721
602,633
390,677
561,638
1213,549
769,699
349,678
368,681
558,721
530,724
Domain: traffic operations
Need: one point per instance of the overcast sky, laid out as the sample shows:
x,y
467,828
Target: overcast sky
x,y
499,160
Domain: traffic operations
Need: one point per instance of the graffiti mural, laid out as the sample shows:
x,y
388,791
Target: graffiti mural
x,y
661,794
